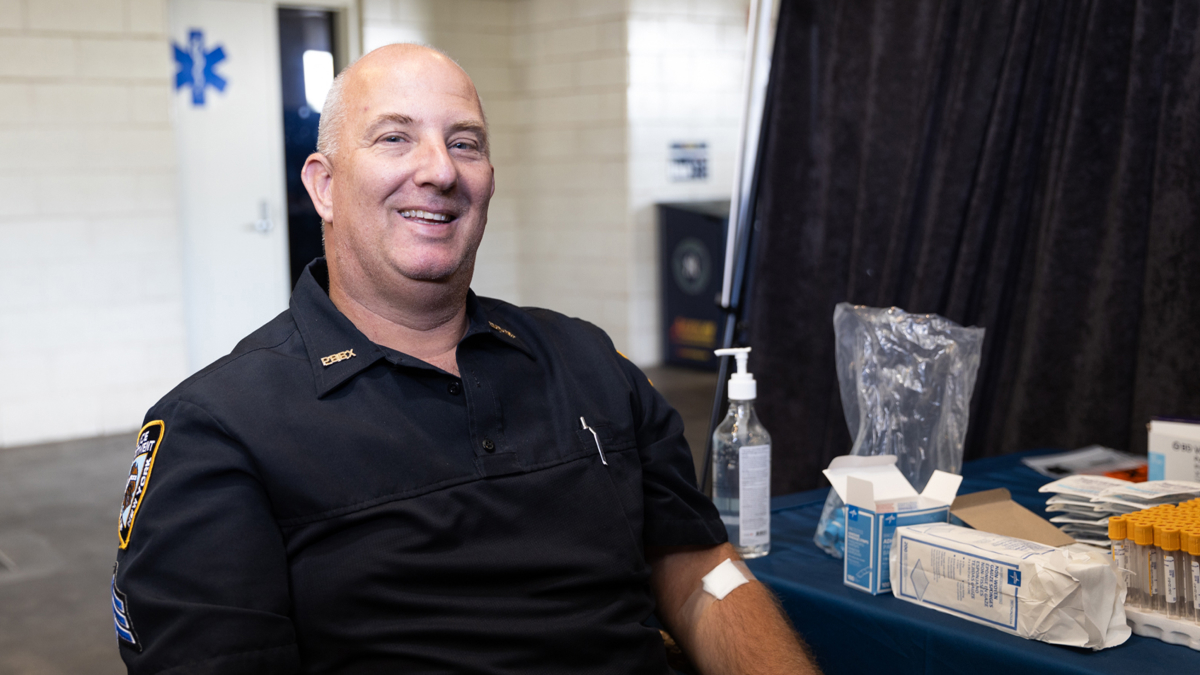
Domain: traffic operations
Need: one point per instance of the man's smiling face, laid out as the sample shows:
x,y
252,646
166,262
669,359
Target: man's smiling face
x,y
411,177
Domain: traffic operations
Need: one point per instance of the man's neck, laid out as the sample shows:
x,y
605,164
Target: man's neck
x,y
426,323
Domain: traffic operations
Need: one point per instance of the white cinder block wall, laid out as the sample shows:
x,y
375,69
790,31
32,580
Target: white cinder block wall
x,y
91,300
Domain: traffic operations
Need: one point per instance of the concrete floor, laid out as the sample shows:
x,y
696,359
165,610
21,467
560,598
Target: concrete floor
x,y
58,540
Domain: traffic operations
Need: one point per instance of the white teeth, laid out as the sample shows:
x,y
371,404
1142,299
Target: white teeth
x,y
425,215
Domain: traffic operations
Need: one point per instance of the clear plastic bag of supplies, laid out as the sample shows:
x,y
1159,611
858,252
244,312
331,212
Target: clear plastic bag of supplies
x,y
906,382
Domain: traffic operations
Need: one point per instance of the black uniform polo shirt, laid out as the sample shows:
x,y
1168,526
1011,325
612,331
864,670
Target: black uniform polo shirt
x,y
316,503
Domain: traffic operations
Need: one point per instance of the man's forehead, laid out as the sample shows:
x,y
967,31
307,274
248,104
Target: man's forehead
x,y
410,72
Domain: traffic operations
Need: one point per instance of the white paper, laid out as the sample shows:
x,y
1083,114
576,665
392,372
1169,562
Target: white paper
x,y
1102,522
1094,460
1071,595
1083,486
1153,491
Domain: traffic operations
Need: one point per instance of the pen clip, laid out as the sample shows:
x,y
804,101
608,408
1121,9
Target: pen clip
x,y
597,437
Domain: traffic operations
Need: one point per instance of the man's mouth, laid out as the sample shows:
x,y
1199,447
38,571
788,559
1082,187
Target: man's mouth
x,y
427,216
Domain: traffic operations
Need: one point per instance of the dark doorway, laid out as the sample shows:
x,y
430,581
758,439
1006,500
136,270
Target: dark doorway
x,y
306,54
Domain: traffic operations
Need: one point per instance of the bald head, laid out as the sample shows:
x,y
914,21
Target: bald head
x,y
371,69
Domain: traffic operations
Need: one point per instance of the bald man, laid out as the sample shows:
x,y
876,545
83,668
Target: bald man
x,y
395,475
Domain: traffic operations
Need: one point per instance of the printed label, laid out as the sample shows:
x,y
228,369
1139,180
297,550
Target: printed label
x,y
1155,571
1196,584
962,583
754,493
1169,577
985,542
859,539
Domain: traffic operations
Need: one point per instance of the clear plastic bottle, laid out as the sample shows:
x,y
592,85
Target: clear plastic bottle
x,y
742,465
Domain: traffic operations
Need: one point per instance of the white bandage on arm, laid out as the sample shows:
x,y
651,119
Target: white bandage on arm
x,y
715,585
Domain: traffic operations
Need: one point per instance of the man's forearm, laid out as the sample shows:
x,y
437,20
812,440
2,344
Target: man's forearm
x,y
746,633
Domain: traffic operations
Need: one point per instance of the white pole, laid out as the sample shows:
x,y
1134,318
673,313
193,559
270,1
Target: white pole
x,y
760,40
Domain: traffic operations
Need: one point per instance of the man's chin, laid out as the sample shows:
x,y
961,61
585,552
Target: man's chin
x,y
432,272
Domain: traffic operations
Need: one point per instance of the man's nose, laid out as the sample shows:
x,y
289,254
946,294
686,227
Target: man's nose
x,y
435,167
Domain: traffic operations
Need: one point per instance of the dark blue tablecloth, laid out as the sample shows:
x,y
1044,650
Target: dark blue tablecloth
x,y
853,632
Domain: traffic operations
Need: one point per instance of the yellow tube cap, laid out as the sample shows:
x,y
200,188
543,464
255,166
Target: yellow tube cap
x,y
1116,528
1170,539
1143,534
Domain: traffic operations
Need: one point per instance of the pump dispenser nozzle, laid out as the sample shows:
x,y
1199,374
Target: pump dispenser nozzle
x,y
742,386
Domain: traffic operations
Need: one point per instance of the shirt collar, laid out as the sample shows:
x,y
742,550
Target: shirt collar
x,y
482,324
338,350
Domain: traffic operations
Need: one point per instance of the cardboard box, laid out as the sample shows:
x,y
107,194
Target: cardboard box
x,y
994,511
878,500
1174,450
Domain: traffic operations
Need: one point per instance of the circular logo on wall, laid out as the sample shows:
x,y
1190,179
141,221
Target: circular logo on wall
x,y
691,265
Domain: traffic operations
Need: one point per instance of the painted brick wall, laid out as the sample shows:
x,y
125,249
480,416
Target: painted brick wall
x,y
572,77
583,98
91,321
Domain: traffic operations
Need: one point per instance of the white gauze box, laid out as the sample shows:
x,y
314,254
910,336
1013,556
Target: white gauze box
x,y
1070,595
878,500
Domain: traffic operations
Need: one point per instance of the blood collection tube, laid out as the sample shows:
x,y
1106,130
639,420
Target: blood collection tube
x,y
1187,593
1116,534
1155,567
1194,573
1132,598
1170,558
1144,537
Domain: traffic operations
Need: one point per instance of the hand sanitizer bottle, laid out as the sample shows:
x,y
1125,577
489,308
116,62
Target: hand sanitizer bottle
x,y
742,465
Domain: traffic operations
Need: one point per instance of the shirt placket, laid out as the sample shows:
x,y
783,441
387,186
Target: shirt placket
x,y
493,454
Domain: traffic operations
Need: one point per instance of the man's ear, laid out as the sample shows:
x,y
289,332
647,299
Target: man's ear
x,y
317,176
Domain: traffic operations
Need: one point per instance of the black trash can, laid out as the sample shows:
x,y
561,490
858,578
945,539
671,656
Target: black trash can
x,y
691,264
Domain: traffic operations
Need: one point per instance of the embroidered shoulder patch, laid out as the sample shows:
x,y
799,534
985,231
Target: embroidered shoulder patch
x,y
121,621
139,477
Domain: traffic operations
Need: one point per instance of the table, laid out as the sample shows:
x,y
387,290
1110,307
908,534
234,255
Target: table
x,y
853,632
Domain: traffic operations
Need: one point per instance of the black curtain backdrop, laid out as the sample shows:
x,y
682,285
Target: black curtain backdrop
x,y
1029,167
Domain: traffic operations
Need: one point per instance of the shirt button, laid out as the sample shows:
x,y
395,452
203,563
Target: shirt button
x,y
488,445
454,388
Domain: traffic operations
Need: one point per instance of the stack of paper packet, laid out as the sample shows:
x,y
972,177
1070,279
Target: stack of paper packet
x,y
1084,503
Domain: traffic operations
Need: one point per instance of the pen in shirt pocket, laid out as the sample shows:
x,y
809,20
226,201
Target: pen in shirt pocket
x,y
597,437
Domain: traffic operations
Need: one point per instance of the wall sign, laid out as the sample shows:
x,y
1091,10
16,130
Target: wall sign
x,y
688,161
195,66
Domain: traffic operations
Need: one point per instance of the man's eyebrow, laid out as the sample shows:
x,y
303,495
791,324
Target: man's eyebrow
x,y
476,127
384,120
469,125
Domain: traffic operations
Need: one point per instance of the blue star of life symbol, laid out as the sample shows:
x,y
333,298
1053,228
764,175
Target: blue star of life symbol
x,y
195,66
852,513
889,519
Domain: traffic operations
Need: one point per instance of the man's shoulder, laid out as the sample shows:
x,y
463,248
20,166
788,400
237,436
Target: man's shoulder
x,y
543,324
249,367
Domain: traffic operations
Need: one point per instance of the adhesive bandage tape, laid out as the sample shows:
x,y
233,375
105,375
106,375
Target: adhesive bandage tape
x,y
723,579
